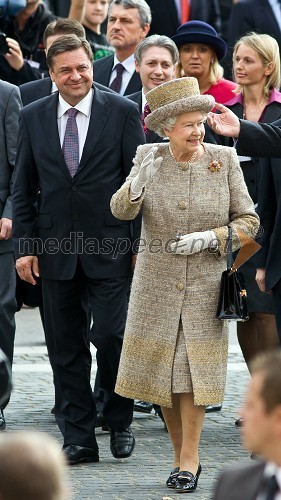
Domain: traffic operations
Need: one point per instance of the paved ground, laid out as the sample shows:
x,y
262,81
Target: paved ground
x,y
141,477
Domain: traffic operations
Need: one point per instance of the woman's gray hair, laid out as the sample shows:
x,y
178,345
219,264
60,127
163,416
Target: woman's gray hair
x,y
140,5
162,41
169,123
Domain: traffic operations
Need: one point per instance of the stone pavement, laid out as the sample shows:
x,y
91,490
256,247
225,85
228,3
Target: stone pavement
x,y
142,476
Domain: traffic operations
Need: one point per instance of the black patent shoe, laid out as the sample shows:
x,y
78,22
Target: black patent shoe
x,y
2,420
76,454
143,406
239,422
186,482
171,481
213,408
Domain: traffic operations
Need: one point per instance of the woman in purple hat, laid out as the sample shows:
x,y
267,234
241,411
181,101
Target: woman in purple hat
x,y
200,50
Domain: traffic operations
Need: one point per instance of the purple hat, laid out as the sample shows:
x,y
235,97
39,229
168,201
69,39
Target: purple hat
x,y
200,32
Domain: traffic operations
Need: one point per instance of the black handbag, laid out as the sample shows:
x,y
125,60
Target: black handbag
x,y
232,303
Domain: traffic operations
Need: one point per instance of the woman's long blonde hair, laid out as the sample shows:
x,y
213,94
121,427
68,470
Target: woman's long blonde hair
x,y
268,50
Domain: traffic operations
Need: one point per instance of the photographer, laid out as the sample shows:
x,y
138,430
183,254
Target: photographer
x,y
25,58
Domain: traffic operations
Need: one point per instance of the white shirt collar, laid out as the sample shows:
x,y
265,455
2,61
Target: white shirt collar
x,y
272,469
84,106
129,63
143,100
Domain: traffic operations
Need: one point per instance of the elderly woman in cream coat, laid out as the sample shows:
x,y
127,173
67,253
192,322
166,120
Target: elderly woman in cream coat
x,y
175,350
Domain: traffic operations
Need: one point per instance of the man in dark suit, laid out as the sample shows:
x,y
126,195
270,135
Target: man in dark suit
x,y
128,24
10,105
168,16
80,250
261,16
261,432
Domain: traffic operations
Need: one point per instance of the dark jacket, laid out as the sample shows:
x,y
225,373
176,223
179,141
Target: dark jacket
x,y
75,211
31,44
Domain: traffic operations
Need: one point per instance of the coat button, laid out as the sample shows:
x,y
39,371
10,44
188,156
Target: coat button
x,y
180,286
75,217
182,205
184,167
74,188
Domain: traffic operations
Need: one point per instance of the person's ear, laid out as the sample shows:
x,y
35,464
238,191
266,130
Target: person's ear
x,y
167,132
137,66
52,76
269,68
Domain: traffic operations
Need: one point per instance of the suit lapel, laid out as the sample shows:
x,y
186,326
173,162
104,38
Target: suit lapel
x,y
100,111
104,72
134,84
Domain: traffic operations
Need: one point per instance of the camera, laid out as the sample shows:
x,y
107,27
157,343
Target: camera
x,y
11,7
4,48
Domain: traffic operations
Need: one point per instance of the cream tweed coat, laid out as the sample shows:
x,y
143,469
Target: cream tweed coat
x,y
180,198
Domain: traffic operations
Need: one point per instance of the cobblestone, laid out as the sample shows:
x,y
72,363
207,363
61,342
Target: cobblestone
x,y
142,476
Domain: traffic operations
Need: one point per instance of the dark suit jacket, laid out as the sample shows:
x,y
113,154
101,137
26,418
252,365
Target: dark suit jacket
x,y
102,72
150,136
242,482
252,15
165,15
259,139
74,216
32,91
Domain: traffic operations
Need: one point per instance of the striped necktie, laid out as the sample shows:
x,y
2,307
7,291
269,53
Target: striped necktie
x,y
70,145
117,82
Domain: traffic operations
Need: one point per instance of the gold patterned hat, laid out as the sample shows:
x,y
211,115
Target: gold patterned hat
x,y
174,98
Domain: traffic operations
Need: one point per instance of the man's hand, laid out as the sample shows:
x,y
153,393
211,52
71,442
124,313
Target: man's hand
x,y
14,57
148,168
5,228
260,279
226,123
189,244
27,267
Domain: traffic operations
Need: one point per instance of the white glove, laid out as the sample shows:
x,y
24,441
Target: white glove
x,y
148,168
189,244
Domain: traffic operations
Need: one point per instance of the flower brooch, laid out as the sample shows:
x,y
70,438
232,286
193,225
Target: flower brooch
x,y
215,166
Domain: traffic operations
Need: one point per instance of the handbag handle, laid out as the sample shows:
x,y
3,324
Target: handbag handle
x,y
229,249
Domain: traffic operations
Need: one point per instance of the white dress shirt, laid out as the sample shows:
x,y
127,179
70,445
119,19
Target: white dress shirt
x,y
82,118
129,69
275,5
143,101
270,470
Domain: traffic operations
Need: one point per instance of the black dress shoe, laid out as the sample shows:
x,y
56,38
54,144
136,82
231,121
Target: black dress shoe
x,y
186,481
100,422
122,443
143,406
239,422
2,421
76,454
211,408
171,481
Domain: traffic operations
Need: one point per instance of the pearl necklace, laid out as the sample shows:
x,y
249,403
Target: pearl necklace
x,y
191,159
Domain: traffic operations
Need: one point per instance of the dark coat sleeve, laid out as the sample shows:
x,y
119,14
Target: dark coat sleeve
x,y
260,139
266,210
